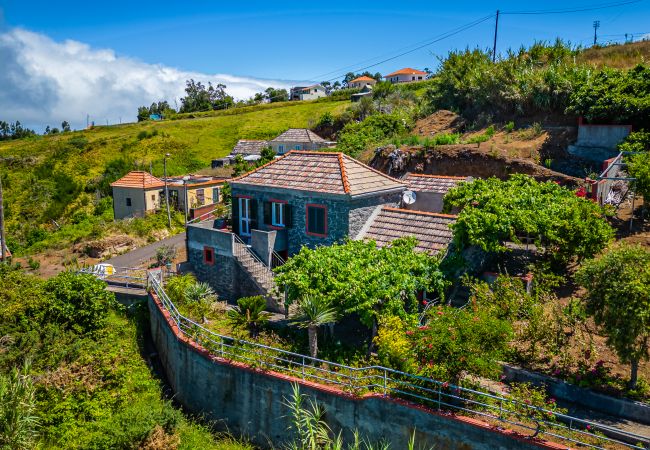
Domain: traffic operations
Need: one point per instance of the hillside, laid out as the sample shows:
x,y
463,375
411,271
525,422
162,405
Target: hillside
x,y
619,56
57,181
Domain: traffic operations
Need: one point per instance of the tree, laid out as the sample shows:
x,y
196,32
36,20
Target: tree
x,y
312,313
249,313
563,224
357,277
201,98
618,298
381,91
79,302
276,95
65,126
365,107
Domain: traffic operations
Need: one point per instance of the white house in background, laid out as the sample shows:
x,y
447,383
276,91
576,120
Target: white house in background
x,y
406,75
361,82
307,92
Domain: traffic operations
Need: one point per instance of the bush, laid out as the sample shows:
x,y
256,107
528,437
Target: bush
x,y
79,302
359,136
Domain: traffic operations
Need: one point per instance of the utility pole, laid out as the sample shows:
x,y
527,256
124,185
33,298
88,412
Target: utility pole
x,y
496,29
3,244
169,216
596,26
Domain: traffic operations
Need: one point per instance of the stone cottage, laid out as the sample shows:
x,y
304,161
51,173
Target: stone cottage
x,y
430,190
298,139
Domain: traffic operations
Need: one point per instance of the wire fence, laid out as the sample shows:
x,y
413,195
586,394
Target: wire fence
x,y
442,396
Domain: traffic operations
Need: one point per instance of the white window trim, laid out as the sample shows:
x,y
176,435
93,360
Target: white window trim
x,y
275,220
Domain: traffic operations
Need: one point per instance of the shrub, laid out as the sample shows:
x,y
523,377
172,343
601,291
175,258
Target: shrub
x,y
249,313
638,167
393,347
510,126
79,302
637,141
177,287
18,420
358,136
165,254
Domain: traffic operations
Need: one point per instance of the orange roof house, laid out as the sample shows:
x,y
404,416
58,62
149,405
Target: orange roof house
x,y
361,82
135,194
405,75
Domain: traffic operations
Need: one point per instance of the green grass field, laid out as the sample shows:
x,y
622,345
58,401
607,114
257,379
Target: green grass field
x,y
52,181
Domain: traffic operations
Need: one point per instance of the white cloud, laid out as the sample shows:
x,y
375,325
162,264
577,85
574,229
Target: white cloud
x,y
45,82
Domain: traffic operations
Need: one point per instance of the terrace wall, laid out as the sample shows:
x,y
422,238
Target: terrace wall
x,y
249,402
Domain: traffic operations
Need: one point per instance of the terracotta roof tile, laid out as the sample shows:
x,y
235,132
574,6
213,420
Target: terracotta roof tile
x,y
431,183
405,71
432,230
363,78
249,147
298,135
138,179
327,172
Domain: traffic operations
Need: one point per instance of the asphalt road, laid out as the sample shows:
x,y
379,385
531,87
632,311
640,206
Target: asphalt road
x,y
142,255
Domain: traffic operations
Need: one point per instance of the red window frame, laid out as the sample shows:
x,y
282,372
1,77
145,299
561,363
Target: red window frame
x,y
314,205
208,251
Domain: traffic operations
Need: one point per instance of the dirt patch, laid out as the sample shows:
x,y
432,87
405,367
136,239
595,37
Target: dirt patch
x,y
462,160
441,121
106,247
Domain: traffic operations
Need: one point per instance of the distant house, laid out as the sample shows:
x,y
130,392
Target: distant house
x,y
429,190
366,91
307,92
406,75
361,82
298,139
136,194
247,147
194,194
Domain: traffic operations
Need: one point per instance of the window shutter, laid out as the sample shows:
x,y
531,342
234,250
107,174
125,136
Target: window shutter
x,y
253,206
267,213
235,215
287,215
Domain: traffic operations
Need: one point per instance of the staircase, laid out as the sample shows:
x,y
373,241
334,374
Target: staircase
x,y
259,272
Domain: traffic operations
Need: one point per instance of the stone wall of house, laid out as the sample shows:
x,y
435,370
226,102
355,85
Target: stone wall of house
x,y
345,217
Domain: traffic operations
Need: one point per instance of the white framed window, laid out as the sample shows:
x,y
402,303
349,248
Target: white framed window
x,y
277,214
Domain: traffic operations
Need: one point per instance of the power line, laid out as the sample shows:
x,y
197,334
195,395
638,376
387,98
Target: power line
x,y
573,10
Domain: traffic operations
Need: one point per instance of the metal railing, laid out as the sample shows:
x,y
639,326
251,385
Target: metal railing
x,y
128,277
251,262
388,382
276,261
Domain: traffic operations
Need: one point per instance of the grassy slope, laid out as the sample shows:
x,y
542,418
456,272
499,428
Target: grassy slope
x,y
52,177
618,56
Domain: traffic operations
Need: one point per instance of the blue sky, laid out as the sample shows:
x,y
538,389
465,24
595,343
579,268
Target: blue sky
x,y
301,40
69,60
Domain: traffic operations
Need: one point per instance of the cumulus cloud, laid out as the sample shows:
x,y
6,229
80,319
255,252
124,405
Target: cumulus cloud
x,y
45,82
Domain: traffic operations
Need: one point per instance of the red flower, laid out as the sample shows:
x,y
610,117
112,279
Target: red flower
x,y
409,332
424,302
445,385
440,313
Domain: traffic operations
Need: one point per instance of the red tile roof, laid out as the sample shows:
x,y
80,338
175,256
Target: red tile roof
x,y
326,172
138,179
405,71
431,230
431,183
363,78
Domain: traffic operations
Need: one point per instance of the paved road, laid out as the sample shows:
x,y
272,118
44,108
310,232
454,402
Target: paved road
x,y
142,255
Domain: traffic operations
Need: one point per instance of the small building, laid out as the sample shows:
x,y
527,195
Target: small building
x,y
361,82
432,231
406,75
221,162
307,92
428,191
136,194
194,194
298,139
247,147
366,91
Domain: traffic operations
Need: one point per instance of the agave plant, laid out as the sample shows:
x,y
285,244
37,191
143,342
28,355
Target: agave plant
x,y
200,297
312,313
249,313
18,422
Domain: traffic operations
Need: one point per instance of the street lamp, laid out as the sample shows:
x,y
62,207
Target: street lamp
x,y
169,216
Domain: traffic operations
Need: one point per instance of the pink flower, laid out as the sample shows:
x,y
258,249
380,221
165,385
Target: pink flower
x,y
409,332
440,313
424,302
445,385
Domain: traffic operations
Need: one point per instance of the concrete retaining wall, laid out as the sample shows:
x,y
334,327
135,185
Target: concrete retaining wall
x,y
249,402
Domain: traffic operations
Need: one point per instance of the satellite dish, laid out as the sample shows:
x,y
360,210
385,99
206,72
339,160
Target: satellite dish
x,y
408,197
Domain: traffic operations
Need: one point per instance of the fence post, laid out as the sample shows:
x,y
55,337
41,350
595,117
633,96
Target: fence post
x,y
439,395
303,367
385,382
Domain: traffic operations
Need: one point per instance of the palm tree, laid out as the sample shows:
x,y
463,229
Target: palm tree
x,y
249,313
312,313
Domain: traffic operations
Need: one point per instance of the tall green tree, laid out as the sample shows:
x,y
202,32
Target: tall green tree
x,y
618,298
357,277
199,97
